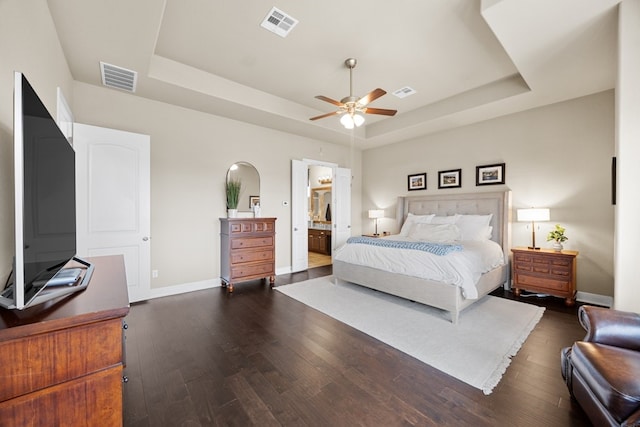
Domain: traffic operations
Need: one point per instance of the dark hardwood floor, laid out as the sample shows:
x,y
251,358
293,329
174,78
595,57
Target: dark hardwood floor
x,y
258,357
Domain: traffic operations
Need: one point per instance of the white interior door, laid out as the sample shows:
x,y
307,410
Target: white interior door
x,y
299,216
341,200
113,200
340,205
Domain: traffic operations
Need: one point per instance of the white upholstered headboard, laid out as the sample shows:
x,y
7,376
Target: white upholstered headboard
x,y
496,203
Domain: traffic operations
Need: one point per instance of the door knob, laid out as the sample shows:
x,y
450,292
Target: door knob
x,y
145,238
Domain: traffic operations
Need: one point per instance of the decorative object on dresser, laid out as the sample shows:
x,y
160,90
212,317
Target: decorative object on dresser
x,y
417,181
233,187
557,235
242,182
490,174
545,271
62,363
247,250
375,214
450,179
533,215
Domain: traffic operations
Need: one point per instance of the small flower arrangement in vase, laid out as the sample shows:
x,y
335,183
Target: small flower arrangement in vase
x,y
557,235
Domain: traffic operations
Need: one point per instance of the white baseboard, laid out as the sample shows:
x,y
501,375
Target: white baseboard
x,y
596,299
195,286
283,270
586,297
183,288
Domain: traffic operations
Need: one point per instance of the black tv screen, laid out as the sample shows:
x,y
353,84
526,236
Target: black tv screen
x,y
45,207
49,203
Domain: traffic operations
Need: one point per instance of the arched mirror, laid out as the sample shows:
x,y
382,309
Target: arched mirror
x,y
249,178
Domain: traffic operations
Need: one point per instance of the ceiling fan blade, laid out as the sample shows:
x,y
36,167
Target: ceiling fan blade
x,y
381,111
329,100
325,115
371,96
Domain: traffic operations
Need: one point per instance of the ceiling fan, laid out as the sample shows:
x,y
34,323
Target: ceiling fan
x,y
351,107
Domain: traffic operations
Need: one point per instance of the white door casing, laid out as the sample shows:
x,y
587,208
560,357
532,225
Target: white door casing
x,y
113,200
341,200
299,216
340,209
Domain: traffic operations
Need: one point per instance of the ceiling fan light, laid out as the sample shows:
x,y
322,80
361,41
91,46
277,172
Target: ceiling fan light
x,y
347,121
358,119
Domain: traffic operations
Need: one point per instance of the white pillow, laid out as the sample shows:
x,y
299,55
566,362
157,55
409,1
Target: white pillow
x,y
414,219
450,219
474,227
436,233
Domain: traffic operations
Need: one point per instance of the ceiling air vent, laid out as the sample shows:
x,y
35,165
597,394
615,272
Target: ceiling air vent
x,y
404,92
279,22
118,77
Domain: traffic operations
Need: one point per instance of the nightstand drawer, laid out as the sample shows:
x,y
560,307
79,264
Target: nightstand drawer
x,y
239,257
542,283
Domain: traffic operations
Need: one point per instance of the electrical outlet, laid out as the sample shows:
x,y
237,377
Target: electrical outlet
x,y
154,273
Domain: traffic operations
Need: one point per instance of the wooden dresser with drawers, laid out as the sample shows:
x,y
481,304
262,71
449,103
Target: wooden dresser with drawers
x,y
545,271
247,250
61,362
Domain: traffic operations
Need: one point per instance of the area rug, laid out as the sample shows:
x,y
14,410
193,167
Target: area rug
x,y
477,350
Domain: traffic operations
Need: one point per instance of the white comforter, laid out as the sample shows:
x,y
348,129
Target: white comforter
x,y
462,268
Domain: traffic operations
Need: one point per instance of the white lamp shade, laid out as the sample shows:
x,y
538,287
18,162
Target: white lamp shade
x,y
358,119
347,121
533,214
376,213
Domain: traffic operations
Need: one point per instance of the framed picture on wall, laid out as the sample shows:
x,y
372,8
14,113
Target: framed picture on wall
x,y
450,179
490,174
254,201
417,181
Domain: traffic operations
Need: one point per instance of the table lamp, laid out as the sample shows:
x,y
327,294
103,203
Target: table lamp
x,y
375,214
533,215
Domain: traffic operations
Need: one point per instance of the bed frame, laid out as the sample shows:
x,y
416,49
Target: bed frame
x,y
437,294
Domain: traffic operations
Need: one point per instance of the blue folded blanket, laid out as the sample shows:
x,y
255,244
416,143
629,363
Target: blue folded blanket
x,y
434,248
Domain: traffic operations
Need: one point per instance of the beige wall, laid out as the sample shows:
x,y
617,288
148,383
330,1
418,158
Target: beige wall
x,y
557,156
190,155
28,44
190,152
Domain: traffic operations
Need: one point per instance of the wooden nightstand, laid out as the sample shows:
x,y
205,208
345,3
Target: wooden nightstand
x,y
545,271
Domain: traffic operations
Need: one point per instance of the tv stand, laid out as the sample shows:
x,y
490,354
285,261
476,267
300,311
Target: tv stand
x,y
46,292
62,361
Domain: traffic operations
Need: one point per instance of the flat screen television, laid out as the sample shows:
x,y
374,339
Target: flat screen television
x,y
45,265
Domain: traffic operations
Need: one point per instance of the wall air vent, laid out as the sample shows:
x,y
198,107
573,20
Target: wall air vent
x,y
404,92
279,22
118,77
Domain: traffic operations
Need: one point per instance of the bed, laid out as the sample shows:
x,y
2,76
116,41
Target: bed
x,y
443,295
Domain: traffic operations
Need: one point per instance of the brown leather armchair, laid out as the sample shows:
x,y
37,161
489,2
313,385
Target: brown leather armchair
x,y
603,370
